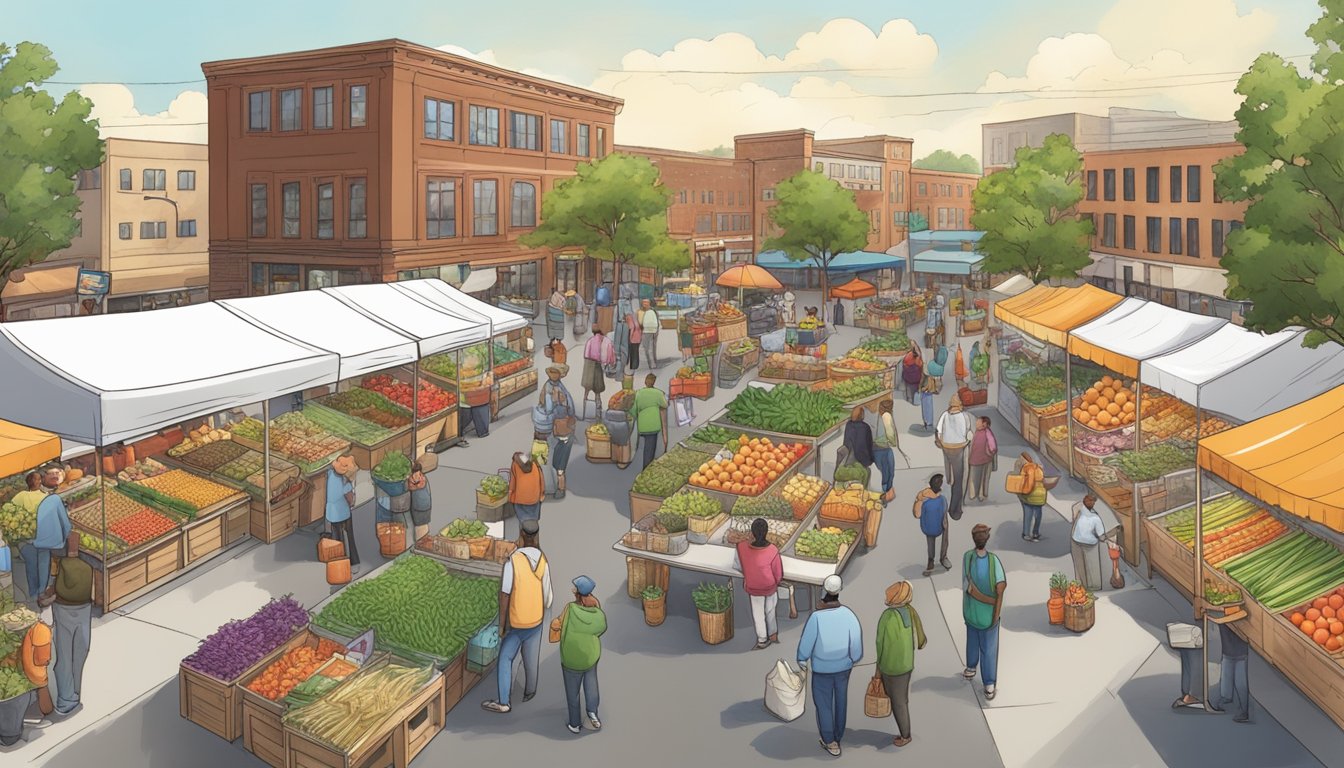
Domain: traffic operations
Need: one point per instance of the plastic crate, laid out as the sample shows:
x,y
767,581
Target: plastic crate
x,y
483,649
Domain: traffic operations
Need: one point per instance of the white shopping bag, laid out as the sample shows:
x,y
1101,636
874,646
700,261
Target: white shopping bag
x,y
785,691
1180,635
685,411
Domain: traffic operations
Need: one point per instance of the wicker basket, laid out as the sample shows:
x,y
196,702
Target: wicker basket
x,y
700,529
1080,618
458,549
669,543
641,573
501,550
598,448
732,331
480,547
391,539
636,539
716,628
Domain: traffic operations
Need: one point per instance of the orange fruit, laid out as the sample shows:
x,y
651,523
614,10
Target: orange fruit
x,y
1336,601
1337,627
1320,602
1308,627
1333,644
1313,613
1093,409
1297,619
1328,612
1321,636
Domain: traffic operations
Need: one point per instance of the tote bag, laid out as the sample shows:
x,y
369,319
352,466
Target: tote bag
x,y
785,692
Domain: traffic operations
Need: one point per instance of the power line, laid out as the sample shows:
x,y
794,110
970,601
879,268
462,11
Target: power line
x,y
150,125
834,70
115,82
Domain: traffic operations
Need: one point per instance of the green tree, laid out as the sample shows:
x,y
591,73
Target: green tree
x,y
819,220
614,209
719,151
918,222
43,145
1289,258
943,160
1029,213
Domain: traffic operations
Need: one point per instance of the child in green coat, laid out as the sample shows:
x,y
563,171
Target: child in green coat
x,y
581,628
899,633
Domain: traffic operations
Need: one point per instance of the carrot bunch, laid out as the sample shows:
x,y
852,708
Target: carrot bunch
x,y
1255,531
292,668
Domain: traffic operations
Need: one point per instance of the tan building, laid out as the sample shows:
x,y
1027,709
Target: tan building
x,y
143,218
388,160
943,198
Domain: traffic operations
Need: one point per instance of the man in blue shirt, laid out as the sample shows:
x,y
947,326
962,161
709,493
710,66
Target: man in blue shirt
x,y
53,528
340,503
931,511
983,582
831,645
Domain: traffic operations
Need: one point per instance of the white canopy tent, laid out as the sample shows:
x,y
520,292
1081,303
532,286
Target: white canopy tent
x,y
1013,286
1131,333
320,320
150,370
433,329
1247,375
446,298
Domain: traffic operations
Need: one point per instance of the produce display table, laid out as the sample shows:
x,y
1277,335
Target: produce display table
x,y
1037,422
260,718
214,529
721,420
281,520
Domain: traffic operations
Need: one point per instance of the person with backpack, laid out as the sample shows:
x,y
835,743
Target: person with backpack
x,y
899,634
931,511
1033,495
912,373
524,599
859,439
885,446
581,626
983,582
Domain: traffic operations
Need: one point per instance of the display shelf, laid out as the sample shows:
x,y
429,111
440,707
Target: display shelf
x,y
260,717
279,522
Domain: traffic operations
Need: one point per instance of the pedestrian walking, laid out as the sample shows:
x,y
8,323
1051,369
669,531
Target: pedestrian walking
x,y
1192,658
931,511
560,404
790,308
527,486
984,457
649,412
952,435
927,390
634,333
885,446
524,599
597,353
762,572
1085,543
912,373
651,325
71,599
859,440
422,502
581,626
832,643
341,504
53,526
899,634
1233,686
1033,496
983,582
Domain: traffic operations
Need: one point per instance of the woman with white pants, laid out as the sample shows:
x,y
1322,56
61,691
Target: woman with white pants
x,y
762,571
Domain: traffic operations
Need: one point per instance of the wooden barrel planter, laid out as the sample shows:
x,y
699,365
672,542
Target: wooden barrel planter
x,y
1056,607
716,628
655,608
1080,618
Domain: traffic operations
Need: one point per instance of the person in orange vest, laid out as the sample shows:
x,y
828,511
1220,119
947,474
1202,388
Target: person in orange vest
x,y
524,599
527,486
35,654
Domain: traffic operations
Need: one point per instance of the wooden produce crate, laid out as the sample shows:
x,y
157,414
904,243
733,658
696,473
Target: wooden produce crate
x,y
263,732
1169,556
1316,673
642,505
203,537
454,681
282,520
313,500
215,704
131,574
431,430
368,456
237,522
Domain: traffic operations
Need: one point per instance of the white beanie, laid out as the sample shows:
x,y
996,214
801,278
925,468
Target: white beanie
x,y
833,584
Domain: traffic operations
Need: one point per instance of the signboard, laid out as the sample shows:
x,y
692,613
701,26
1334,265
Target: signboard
x,y
91,283
361,648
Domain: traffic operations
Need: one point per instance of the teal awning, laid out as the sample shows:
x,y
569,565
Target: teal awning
x,y
856,261
948,262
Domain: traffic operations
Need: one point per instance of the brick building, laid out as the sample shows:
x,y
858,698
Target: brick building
x,y
388,160
943,198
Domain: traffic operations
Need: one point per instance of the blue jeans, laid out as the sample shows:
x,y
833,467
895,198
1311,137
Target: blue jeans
x,y
982,650
886,464
37,567
1031,519
830,695
1191,661
527,511
1233,687
560,453
586,679
529,642
70,646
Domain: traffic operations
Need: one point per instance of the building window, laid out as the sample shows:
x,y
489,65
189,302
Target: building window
x,y
709,196
837,171
1154,175
326,211
559,137
485,208
1217,242
124,179
289,215
153,230
1192,238
947,190
440,119
259,111
90,179
1175,183
269,279
291,109
1108,229
1192,181
583,140
1234,226
1128,241
703,223
259,210
440,209
1217,197
484,126
961,189
323,108
328,278
359,105
722,222
601,141
961,218
1108,184
186,228
124,230
524,131
1154,234
154,179
186,180
1091,185
681,197
1174,238
357,211
768,193
942,218
1129,185
922,189
523,206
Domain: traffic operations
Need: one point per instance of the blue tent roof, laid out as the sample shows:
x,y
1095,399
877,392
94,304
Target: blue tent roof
x,y
856,261
948,262
947,235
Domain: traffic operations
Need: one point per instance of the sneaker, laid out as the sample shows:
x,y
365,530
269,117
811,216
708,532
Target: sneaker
x,y
1243,719
1035,537
495,706
529,696
574,729
969,673
594,722
947,564
1026,537
901,741
774,639
833,749
761,645
38,723
928,571
989,693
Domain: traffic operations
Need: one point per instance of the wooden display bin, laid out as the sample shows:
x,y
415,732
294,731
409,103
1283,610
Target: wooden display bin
x,y
313,501
1316,673
1170,557
643,505
368,456
202,538
128,575
237,522
263,730
430,431
454,681
215,704
282,520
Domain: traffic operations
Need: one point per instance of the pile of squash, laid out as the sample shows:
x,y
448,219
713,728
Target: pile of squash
x,y
1107,404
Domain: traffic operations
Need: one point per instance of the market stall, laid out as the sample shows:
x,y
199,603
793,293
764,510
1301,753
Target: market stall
x,y
21,450
680,296
892,311
1031,350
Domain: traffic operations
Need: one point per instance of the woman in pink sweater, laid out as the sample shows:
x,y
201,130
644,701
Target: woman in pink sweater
x,y
984,450
762,571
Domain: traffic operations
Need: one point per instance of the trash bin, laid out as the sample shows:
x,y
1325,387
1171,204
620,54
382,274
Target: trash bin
x,y
11,717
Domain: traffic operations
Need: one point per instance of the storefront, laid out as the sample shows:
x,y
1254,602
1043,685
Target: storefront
x,y
41,293
270,279
144,302
1200,290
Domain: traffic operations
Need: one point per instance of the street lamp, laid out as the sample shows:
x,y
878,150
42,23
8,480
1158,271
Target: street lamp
x,y
172,202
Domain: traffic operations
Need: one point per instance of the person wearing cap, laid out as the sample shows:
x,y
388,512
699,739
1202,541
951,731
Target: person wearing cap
x,y
832,643
555,398
983,582
524,599
762,571
899,634
582,625
952,434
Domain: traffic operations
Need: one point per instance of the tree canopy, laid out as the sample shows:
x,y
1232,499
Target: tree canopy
x,y
1029,213
943,160
818,220
918,222
43,145
614,209
1289,258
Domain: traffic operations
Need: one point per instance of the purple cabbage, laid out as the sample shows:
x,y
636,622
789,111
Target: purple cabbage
x,y
241,643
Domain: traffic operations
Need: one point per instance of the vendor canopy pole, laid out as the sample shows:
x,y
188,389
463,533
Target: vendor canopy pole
x,y
266,458
1068,402
415,412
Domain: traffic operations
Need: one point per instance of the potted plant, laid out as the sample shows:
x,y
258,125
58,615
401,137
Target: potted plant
x,y
655,605
714,608
1058,583
1079,608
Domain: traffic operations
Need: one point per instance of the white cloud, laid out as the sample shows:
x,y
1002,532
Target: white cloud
x,y
114,105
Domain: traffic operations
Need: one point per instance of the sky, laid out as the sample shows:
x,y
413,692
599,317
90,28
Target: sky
x,y
697,72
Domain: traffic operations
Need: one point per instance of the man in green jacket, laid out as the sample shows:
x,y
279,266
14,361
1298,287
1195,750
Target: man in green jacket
x,y
582,626
899,633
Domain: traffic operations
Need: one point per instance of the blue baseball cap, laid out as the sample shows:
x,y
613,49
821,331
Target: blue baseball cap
x,y
585,585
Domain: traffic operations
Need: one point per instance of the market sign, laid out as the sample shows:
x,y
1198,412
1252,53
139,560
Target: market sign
x,y
91,283
708,245
569,257
361,648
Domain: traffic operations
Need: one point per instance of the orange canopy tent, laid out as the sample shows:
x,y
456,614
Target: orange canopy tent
x,y
22,448
1293,459
1048,313
854,289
